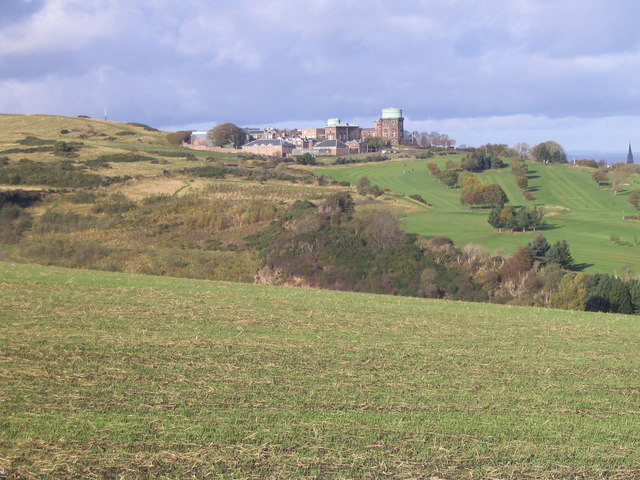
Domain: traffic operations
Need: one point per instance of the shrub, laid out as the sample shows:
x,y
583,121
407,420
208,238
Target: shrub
x,y
14,221
65,149
83,196
634,199
143,126
32,141
61,174
418,198
115,203
522,182
178,138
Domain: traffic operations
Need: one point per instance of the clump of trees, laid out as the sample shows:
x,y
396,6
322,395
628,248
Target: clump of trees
x,y
541,251
549,152
475,193
448,176
227,134
481,160
516,218
600,176
432,139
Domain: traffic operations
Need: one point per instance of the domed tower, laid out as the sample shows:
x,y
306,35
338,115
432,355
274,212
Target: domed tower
x,y
391,125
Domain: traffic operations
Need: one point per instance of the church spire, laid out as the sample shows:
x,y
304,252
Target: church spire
x,y
629,156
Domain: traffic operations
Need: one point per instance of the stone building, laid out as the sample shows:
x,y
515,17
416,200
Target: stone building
x,y
331,147
336,130
276,147
390,126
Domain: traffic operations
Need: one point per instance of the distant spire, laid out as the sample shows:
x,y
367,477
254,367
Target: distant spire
x,y
629,156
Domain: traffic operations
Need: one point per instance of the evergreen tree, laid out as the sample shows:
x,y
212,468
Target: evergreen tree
x,y
495,218
538,248
559,253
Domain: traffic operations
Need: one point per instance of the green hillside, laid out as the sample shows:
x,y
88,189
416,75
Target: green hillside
x,y
576,209
109,375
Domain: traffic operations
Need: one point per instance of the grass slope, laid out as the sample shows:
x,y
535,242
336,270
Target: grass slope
x,y
110,376
577,209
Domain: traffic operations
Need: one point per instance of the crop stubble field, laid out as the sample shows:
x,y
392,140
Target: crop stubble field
x,y
124,376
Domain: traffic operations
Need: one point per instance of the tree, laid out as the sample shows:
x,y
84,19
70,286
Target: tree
x,y
374,143
480,160
338,207
607,294
496,219
549,152
449,177
559,253
494,195
600,176
178,138
571,293
227,134
538,248
519,168
523,149
620,176
306,159
634,199
522,182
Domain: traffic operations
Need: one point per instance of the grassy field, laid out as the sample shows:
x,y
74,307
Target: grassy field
x,y
121,376
576,209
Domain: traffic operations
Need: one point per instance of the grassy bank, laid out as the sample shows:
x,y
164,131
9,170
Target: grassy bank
x,y
115,375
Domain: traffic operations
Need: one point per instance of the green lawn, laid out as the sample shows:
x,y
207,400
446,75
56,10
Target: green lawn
x,y
110,375
577,210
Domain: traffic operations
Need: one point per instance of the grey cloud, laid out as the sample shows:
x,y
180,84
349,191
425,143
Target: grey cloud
x,y
171,63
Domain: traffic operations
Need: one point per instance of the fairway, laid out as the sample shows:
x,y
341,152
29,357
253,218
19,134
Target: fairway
x,y
110,375
576,209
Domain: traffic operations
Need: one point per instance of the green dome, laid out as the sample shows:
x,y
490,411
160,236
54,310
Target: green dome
x,y
391,113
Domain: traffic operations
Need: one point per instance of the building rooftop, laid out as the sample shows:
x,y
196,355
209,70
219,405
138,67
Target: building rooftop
x,y
331,144
279,142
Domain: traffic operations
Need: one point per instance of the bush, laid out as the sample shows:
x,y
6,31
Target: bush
x,y
178,138
522,182
65,149
14,221
143,126
418,198
32,141
83,196
115,203
61,174
634,199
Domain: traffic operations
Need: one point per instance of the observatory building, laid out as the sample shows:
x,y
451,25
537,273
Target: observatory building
x,y
390,126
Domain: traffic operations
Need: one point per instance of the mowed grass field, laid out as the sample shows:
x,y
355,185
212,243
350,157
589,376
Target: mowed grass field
x,y
576,209
110,375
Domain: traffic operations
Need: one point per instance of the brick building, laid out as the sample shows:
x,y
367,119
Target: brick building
x,y
276,147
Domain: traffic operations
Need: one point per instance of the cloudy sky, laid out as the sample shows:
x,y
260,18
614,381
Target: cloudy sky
x,y
500,71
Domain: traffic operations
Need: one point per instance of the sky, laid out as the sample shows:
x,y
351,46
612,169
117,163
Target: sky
x,y
481,71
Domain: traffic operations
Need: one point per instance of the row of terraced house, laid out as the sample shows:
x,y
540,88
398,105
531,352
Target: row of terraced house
x,y
336,138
